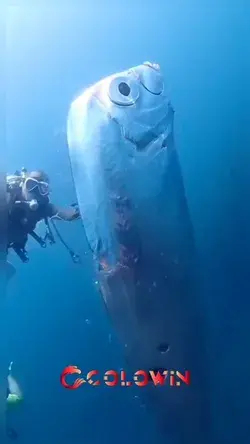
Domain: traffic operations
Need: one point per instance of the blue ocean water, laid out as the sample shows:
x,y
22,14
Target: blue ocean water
x,y
54,312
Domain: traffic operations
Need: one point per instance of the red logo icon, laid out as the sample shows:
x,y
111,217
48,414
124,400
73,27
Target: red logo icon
x,y
71,370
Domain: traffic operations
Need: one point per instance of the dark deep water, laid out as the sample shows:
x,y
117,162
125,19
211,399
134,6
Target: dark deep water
x,y
54,314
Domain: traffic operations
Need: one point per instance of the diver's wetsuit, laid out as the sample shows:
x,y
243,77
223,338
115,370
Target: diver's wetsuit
x,y
23,220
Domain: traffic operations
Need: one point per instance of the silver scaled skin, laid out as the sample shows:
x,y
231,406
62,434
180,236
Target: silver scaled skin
x,y
133,206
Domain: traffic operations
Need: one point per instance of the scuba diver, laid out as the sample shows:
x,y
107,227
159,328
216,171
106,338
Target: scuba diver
x,y
14,398
28,203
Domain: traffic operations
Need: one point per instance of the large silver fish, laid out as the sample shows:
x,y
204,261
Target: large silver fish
x,y
131,197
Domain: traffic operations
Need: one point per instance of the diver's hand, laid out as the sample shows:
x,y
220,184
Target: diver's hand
x,y
77,212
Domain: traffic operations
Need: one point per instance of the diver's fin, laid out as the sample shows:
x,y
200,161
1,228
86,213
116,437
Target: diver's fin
x,y
13,386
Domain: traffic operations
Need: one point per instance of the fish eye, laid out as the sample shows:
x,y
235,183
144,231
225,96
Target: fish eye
x,y
151,79
123,91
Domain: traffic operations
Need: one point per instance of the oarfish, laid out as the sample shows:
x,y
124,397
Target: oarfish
x,y
132,201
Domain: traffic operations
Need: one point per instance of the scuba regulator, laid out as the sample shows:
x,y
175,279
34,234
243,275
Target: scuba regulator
x,y
15,182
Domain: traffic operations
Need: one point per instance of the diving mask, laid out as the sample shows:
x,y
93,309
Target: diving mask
x,y
31,184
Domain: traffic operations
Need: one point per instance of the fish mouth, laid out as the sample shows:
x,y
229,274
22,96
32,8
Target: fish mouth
x,y
161,133
149,138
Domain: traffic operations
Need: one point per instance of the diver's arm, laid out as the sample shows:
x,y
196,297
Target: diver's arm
x,y
67,214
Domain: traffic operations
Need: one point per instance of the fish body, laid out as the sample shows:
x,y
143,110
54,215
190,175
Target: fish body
x,y
132,201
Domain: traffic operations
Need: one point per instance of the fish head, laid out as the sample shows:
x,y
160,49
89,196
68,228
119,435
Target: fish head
x,y
119,132
124,124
